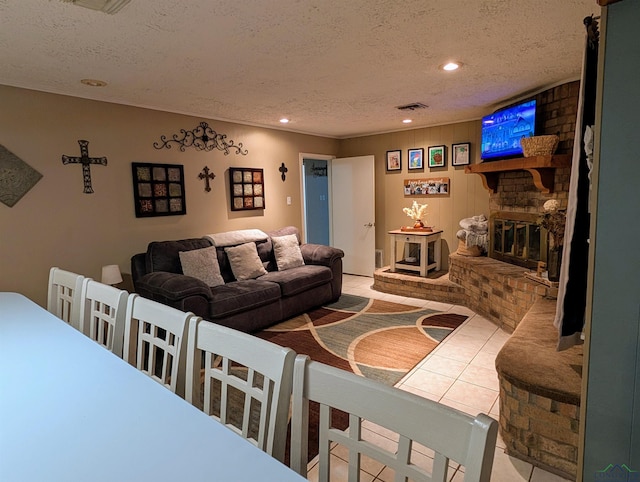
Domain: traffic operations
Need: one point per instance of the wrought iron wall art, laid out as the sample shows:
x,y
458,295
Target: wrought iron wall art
x,y
16,177
247,188
206,175
158,189
283,172
86,162
202,138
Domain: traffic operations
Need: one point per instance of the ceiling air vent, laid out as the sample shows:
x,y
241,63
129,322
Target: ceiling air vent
x,y
106,6
414,106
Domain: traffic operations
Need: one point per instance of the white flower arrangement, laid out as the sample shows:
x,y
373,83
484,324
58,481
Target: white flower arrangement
x,y
416,211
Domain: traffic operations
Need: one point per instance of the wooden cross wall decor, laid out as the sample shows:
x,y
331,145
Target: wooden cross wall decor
x,y
283,170
206,175
86,162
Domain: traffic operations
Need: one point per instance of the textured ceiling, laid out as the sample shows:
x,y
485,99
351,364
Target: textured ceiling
x,y
337,68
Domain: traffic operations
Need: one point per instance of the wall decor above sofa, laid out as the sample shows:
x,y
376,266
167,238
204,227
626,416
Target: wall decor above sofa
x,y
247,188
158,189
202,138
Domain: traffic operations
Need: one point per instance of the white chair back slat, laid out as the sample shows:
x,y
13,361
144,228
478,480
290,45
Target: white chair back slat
x,y
451,435
154,341
248,378
102,314
64,293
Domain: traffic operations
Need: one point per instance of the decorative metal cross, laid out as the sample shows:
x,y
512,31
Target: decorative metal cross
x,y
283,169
86,162
206,175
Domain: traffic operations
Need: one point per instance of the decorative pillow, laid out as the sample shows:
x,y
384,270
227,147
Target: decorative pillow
x,y
202,264
245,262
287,252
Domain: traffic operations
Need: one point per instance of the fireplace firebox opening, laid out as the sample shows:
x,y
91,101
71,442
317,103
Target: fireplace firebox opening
x,y
517,238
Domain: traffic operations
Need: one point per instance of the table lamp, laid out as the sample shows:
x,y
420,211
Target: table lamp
x,y
111,274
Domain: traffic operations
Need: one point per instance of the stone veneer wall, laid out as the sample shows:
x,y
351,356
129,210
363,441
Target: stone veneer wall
x,y
496,290
540,391
539,429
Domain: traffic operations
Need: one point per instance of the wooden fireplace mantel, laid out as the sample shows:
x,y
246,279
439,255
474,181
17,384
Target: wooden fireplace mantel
x,y
542,168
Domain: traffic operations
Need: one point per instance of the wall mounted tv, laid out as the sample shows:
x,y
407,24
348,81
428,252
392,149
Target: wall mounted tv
x,y
502,130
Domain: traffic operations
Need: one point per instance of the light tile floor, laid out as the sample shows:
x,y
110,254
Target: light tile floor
x,y
460,373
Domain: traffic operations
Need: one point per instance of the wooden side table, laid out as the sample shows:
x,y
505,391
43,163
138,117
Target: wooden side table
x,y
426,241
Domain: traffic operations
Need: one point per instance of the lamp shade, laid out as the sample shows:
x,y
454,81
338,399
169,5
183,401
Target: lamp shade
x,y
111,274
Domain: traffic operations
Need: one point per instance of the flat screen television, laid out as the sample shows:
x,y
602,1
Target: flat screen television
x,y
502,130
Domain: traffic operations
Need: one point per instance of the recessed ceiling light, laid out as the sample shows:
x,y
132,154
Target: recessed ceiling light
x,y
451,66
284,120
407,121
93,82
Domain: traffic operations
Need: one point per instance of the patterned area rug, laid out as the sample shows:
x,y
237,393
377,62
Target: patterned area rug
x,y
373,338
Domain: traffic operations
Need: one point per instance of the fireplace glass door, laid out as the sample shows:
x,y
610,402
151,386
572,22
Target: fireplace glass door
x,y
518,239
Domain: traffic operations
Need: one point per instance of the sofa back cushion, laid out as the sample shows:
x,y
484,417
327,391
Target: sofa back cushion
x,y
164,255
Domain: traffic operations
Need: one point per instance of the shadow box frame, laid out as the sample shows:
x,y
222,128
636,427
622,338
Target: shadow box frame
x,y
246,188
158,189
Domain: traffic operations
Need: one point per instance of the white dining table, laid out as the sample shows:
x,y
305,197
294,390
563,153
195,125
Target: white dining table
x,y
70,411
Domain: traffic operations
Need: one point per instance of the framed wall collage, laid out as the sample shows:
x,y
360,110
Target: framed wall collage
x,y
158,189
247,188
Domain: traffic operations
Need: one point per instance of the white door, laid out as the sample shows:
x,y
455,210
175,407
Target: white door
x,y
353,213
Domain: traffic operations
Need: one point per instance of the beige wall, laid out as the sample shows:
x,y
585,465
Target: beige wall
x,y
56,224
467,195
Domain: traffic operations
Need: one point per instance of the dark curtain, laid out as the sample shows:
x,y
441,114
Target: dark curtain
x,y
572,296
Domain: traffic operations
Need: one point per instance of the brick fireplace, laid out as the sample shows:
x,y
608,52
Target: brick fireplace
x,y
518,188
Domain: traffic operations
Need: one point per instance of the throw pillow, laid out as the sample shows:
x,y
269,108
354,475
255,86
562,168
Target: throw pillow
x,y
287,252
245,262
202,264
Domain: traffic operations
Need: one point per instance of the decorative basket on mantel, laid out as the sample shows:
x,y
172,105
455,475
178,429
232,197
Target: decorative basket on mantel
x,y
539,145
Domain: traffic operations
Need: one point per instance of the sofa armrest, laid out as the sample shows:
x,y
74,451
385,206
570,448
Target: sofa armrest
x,y
320,254
326,256
138,267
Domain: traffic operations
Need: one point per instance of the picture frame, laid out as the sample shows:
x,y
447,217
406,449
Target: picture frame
x,y
437,156
436,186
416,159
394,160
461,154
158,189
246,188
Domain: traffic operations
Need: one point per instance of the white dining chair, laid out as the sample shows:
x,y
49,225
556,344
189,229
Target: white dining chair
x,y
154,341
245,383
406,418
63,295
102,314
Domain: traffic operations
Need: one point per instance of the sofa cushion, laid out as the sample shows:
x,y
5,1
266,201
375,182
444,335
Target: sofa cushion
x,y
163,255
202,264
297,280
239,296
287,252
245,262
